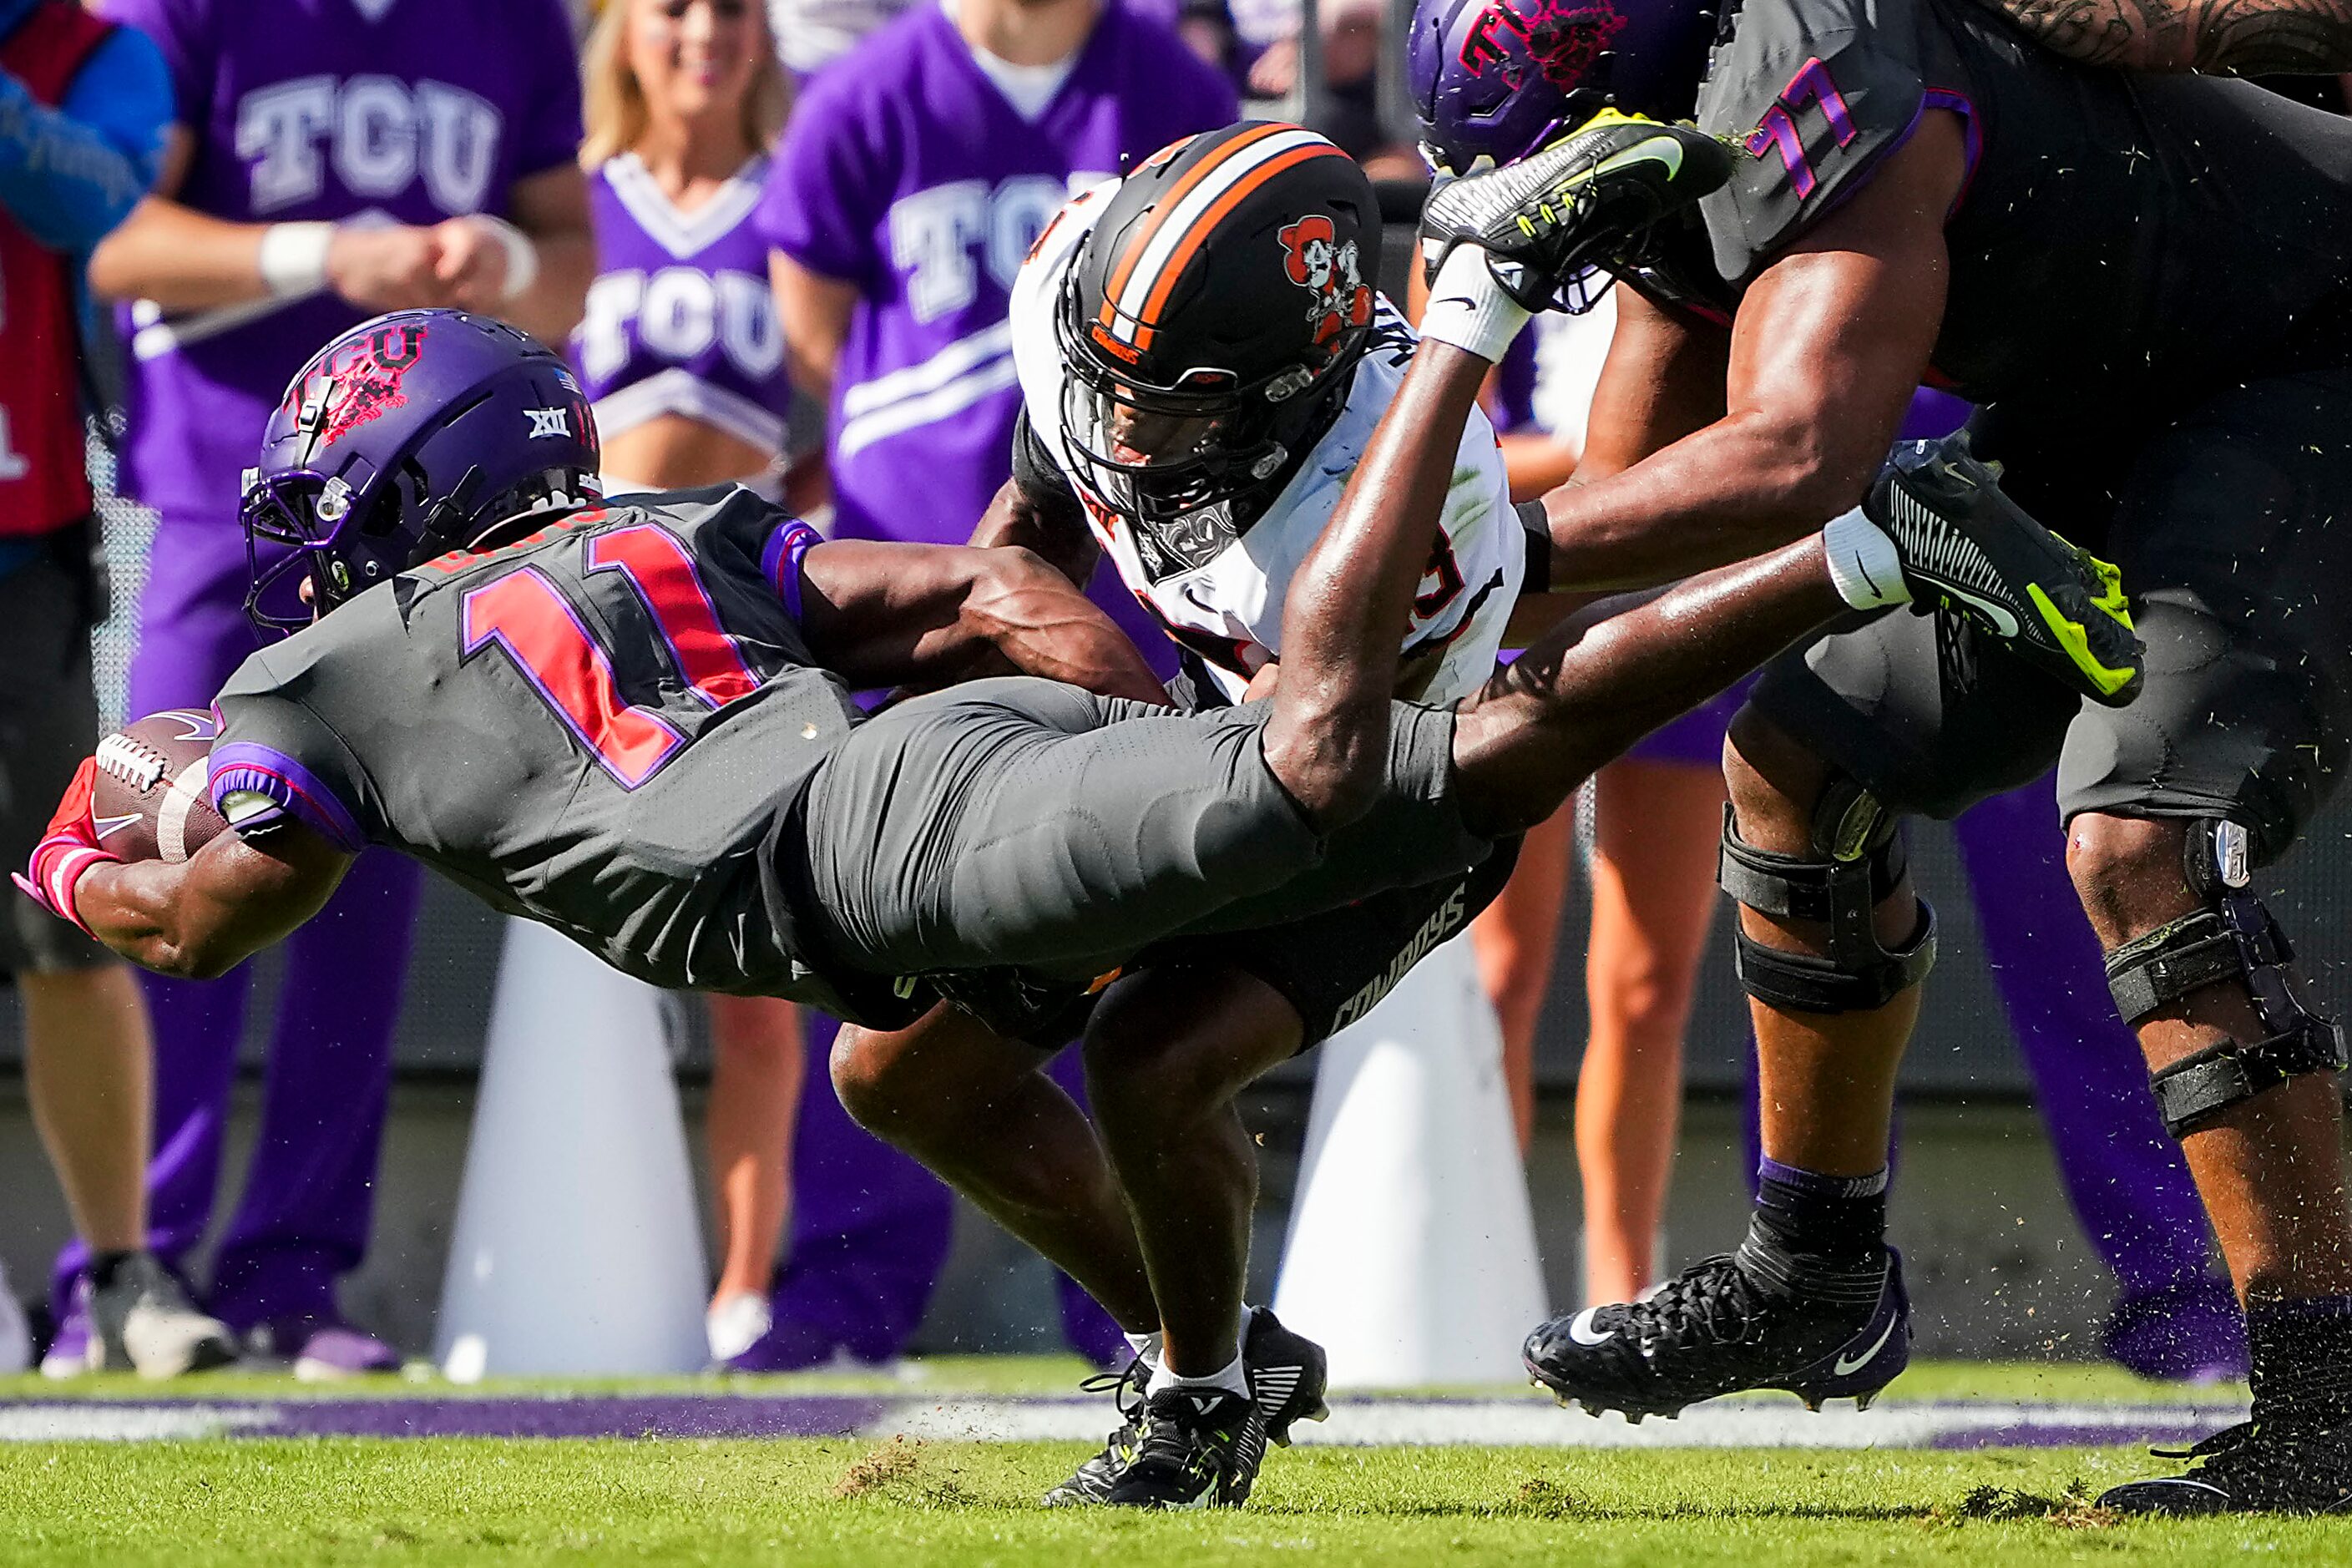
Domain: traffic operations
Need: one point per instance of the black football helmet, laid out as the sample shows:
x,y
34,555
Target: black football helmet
x,y
1211,324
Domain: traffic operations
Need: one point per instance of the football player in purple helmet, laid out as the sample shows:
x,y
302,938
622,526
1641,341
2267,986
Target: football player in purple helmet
x,y
633,721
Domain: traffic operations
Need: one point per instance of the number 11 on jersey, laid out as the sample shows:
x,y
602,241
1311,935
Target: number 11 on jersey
x,y
524,613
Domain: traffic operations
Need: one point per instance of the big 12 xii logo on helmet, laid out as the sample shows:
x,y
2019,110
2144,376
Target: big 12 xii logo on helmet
x,y
1327,271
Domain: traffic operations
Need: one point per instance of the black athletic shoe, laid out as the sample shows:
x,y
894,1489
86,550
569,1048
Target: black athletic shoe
x,y
1584,200
2269,1467
1288,1378
1288,1374
1968,548
1091,1480
1195,1447
1716,1329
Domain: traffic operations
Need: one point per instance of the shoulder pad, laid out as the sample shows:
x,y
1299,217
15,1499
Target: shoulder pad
x,y
1813,95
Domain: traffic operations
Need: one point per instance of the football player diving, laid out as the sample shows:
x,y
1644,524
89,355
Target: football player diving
x,y
1204,366
2142,280
632,721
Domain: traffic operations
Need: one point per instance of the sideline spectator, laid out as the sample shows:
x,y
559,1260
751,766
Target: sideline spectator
x,y
82,110
332,159
916,174
685,362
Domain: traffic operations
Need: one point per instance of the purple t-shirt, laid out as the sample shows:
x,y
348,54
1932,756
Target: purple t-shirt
x,y
906,172
680,319
413,110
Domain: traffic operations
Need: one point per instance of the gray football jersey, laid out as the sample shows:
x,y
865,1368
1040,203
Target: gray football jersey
x,y
597,727
2122,243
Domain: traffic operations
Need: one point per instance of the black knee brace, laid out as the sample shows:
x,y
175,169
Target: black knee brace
x,y
1857,861
2234,941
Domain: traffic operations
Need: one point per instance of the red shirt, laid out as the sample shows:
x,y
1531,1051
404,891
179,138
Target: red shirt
x,y
43,482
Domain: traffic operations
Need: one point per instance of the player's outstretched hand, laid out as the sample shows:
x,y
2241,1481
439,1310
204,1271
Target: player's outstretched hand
x,y
1581,200
67,849
1967,548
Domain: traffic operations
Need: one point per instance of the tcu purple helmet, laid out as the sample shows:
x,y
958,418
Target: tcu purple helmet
x,y
405,438
1494,80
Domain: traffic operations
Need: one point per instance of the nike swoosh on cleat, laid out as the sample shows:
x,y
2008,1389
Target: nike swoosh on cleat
x,y
1579,1329
1842,1366
1661,150
2004,621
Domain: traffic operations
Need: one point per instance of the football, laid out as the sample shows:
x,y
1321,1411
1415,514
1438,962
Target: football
x,y
150,799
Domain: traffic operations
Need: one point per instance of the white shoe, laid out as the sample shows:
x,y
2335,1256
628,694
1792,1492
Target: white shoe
x,y
16,1336
144,1322
736,1322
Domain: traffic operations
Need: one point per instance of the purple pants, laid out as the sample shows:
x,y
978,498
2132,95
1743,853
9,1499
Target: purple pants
x,y
309,1197
870,1234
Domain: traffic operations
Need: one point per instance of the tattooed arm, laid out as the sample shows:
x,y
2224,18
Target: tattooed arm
x,y
2248,38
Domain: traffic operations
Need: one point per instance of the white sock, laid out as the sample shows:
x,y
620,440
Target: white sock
x,y
1863,562
1234,1378
1146,1348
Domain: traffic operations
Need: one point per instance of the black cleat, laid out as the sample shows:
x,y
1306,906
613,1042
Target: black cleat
x,y
1195,1447
1715,1330
2255,1466
1288,1378
1288,1374
1967,547
1585,200
1089,1482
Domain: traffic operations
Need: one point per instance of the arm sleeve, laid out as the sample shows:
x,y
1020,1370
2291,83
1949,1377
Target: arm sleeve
x,y
276,762
1536,579
824,193
781,558
69,174
551,133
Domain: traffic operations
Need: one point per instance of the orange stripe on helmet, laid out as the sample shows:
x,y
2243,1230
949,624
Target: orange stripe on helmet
x,y
1138,240
1172,270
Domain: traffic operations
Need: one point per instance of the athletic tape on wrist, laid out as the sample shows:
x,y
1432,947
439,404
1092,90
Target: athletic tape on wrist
x,y
293,258
522,255
1469,309
1863,562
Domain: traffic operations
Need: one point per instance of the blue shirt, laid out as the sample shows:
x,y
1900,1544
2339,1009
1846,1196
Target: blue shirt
x,y
69,174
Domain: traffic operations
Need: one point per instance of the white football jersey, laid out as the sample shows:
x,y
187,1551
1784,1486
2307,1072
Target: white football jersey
x,y
1229,610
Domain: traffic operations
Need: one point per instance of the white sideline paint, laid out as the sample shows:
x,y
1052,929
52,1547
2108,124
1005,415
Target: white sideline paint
x,y
96,1421
1528,1422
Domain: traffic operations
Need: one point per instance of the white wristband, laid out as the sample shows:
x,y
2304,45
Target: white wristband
x,y
293,257
1469,309
522,255
1863,562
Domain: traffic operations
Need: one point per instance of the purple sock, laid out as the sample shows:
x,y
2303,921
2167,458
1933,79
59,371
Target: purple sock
x,y
1810,1214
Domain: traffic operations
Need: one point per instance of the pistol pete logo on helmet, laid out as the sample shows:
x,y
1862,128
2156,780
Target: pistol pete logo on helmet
x,y
359,383
1327,271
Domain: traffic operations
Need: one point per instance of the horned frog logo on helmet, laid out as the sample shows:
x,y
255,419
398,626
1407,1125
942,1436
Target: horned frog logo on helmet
x,y
1329,272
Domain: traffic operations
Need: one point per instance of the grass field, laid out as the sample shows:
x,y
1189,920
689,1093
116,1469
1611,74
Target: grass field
x,y
948,1504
